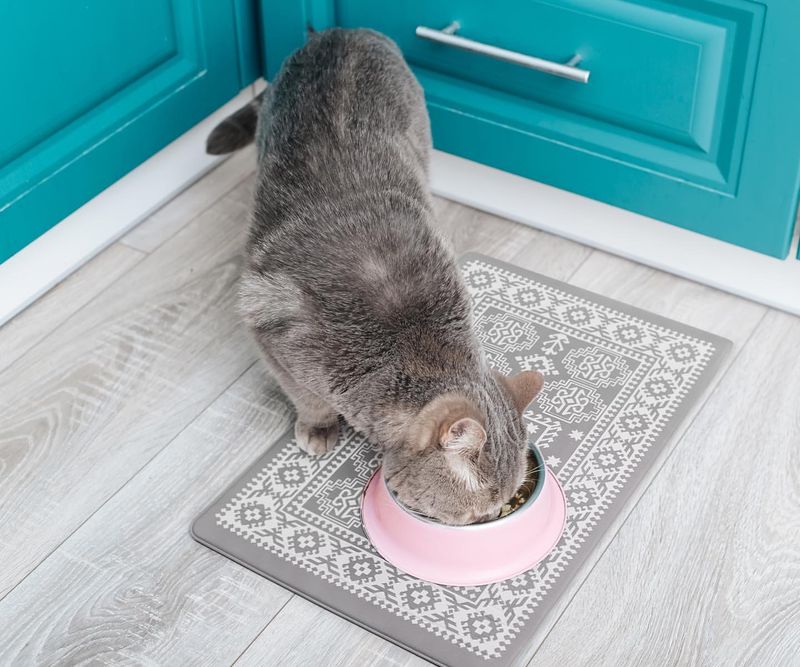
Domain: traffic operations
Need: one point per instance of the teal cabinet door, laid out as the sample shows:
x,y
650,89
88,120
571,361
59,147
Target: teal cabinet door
x,y
91,89
689,114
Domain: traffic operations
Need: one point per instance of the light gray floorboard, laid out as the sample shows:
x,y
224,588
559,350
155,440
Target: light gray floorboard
x,y
83,410
130,585
45,316
175,214
470,230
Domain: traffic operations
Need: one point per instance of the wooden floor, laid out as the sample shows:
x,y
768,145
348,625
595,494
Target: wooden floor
x,y
131,397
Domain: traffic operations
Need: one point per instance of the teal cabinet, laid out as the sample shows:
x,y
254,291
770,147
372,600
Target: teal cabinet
x,y
91,89
688,115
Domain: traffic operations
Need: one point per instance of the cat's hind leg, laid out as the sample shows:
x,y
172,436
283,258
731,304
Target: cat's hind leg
x,y
317,426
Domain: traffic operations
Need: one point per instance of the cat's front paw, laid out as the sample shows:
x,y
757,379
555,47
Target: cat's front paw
x,y
315,439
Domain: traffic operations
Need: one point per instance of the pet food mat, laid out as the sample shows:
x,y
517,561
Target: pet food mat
x,y
618,382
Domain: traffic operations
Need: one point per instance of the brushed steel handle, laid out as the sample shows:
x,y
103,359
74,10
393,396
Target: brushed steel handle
x,y
448,37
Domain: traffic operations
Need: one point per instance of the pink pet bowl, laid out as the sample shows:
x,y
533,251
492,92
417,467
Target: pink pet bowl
x,y
471,555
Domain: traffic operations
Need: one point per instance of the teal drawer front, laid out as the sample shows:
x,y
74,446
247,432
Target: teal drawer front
x,y
686,116
663,93
92,89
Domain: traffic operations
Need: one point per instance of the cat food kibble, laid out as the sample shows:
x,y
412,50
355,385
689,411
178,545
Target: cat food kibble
x,y
524,491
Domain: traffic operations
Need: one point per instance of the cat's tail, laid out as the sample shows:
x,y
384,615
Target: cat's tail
x,y
236,131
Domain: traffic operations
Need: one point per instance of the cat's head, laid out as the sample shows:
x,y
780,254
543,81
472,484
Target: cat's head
x,y
465,454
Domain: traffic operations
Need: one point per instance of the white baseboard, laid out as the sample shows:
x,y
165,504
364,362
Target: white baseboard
x,y
745,273
99,222
102,220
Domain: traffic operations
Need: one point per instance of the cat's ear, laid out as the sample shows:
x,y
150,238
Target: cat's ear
x,y
464,435
523,387
461,442
448,421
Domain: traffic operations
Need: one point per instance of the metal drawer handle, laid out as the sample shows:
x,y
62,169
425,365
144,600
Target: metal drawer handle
x,y
448,36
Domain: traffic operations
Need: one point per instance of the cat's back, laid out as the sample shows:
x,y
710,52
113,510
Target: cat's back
x,y
342,86
344,143
341,252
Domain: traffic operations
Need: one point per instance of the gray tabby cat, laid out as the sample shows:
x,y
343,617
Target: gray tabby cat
x,y
356,302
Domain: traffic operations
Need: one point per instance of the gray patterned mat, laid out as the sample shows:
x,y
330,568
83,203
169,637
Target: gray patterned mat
x,y
618,381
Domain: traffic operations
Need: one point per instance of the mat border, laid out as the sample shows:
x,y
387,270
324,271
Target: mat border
x,y
401,632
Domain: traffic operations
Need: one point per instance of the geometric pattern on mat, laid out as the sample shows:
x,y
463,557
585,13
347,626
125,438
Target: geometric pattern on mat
x,y
613,381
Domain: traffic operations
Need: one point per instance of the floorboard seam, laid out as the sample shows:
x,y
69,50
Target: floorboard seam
x,y
261,631
192,218
580,264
